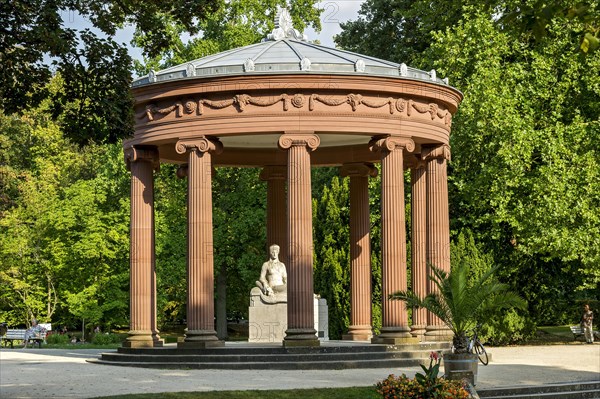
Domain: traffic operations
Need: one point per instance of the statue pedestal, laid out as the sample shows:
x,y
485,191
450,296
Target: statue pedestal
x,y
267,321
267,317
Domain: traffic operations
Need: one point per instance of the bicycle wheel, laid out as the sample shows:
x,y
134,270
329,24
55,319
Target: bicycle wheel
x,y
481,353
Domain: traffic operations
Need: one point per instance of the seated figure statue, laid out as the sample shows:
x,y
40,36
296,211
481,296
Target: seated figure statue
x,y
273,276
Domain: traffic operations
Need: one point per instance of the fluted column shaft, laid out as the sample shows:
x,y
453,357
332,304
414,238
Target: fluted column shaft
x,y
360,328
393,235
143,328
438,225
275,177
300,309
200,266
419,246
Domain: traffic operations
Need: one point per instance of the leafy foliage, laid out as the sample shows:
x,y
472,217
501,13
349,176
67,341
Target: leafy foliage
x,y
423,387
524,171
332,254
65,235
36,43
500,326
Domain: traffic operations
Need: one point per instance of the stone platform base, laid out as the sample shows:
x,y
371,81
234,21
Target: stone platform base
x,y
330,355
301,343
200,344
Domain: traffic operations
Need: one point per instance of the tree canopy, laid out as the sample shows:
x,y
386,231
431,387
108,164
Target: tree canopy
x,y
37,42
524,171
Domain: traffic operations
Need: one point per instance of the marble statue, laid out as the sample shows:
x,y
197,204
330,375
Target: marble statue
x,y
267,313
273,276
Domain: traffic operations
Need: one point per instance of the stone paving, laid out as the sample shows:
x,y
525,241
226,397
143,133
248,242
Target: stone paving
x,y
57,373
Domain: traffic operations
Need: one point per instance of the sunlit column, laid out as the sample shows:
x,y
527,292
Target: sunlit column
x,y
300,310
438,226
200,331
395,328
143,328
419,245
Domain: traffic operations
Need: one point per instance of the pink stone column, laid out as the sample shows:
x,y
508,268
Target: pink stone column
x,y
360,328
419,246
438,227
275,177
395,328
143,328
200,331
300,308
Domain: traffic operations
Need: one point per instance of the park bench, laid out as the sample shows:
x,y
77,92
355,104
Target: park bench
x,y
18,334
578,332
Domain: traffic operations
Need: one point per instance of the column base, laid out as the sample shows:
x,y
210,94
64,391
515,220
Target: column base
x,y
438,333
395,336
295,337
358,333
200,339
418,331
142,339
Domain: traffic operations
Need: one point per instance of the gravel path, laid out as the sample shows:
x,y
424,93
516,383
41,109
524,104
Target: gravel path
x,y
57,373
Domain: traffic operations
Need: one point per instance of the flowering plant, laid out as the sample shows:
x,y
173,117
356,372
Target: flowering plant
x,y
423,386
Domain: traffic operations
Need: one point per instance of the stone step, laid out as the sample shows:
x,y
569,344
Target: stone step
x,y
268,358
278,349
287,365
570,390
331,355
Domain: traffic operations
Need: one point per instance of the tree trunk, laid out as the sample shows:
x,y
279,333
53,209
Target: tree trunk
x,y
221,307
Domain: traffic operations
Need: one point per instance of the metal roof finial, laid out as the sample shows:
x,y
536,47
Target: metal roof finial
x,y
284,27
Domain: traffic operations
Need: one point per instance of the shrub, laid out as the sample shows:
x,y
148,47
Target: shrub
x,y
423,386
57,339
409,388
106,339
507,328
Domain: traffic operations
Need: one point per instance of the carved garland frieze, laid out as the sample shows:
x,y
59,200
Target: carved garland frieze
x,y
242,101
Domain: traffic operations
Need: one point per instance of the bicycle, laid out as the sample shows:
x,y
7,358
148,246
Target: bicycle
x,y
475,346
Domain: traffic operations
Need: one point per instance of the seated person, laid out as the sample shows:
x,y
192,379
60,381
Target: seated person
x,y
273,276
32,332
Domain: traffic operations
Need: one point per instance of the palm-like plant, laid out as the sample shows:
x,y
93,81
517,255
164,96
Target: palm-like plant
x,y
458,302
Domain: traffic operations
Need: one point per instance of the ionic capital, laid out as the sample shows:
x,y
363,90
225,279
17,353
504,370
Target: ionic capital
x,y
201,144
358,170
391,143
141,154
439,152
273,173
310,141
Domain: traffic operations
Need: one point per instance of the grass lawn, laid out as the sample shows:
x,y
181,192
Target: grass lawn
x,y
552,335
324,393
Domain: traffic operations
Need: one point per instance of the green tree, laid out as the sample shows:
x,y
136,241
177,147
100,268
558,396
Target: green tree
x,y
498,327
36,42
531,113
331,216
67,229
524,175
239,238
